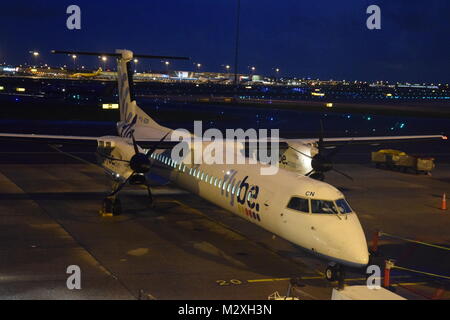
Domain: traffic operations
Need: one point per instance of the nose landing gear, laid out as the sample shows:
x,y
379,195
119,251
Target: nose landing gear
x,y
335,272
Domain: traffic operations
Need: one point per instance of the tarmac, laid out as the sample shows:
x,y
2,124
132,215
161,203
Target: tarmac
x,y
183,247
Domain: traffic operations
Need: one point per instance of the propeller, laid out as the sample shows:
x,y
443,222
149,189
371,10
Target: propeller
x,y
139,163
323,161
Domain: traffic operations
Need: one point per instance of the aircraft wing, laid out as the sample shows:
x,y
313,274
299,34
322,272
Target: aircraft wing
x,y
368,140
49,139
145,143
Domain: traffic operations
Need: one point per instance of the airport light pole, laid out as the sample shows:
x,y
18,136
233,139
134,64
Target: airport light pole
x,y
74,57
167,67
135,65
104,62
35,55
236,53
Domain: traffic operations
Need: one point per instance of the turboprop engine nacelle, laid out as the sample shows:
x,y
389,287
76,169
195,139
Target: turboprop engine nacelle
x,y
297,157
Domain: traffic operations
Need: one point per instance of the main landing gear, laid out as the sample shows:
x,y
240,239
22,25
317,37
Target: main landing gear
x,y
112,206
140,165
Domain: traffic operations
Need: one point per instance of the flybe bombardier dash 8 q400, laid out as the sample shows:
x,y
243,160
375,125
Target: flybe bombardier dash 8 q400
x,y
293,203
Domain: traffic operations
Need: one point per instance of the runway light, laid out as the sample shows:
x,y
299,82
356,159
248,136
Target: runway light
x,y
444,137
20,89
329,105
2,88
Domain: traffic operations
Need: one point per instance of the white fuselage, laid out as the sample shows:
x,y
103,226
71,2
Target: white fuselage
x,y
263,199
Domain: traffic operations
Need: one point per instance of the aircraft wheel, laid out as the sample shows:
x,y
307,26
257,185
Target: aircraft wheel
x,y
107,206
332,272
111,207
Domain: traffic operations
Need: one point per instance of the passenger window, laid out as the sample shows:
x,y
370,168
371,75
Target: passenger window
x,y
323,206
299,204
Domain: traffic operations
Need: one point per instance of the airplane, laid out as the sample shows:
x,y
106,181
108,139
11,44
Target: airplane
x,y
292,204
87,75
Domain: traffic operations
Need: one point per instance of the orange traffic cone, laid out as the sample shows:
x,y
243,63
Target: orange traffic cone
x,y
444,202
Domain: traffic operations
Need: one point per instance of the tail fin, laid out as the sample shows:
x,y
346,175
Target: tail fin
x,y
130,114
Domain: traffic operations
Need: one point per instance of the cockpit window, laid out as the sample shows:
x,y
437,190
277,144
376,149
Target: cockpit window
x,y
343,206
323,206
299,204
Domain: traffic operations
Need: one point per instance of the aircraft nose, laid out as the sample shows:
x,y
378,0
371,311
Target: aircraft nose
x,y
355,249
346,242
356,254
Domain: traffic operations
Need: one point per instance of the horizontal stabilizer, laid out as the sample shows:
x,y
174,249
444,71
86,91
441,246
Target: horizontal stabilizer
x,y
144,56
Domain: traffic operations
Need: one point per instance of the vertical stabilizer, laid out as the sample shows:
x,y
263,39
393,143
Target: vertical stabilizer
x,y
130,114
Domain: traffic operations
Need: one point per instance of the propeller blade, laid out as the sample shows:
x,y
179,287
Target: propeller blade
x,y
120,186
302,153
136,150
309,173
320,142
344,174
150,151
112,158
338,149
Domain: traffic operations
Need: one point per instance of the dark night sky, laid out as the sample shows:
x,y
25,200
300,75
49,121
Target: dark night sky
x,y
320,38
